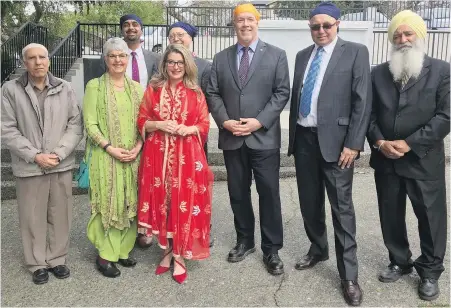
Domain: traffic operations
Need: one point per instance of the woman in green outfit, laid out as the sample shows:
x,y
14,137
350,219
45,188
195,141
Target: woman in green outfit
x,y
110,109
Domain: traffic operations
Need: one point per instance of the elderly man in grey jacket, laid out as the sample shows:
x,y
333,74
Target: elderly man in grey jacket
x,y
41,126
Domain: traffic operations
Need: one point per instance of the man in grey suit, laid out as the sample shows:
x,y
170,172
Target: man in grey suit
x,y
143,63
409,120
183,33
329,116
249,87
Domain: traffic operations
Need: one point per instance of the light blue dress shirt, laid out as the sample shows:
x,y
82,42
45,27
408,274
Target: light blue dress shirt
x,y
239,51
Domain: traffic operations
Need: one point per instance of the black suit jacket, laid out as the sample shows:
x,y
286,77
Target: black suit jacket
x,y
344,101
418,114
203,73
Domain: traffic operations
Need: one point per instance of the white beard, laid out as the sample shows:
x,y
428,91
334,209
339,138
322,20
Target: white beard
x,y
407,59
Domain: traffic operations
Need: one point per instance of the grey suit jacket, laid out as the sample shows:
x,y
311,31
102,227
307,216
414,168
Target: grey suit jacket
x,y
418,114
344,101
203,73
263,96
152,60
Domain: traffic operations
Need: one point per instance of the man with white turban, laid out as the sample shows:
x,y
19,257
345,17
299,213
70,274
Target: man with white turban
x,y
410,119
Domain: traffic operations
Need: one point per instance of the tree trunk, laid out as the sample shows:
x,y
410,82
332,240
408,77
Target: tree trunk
x,y
39,11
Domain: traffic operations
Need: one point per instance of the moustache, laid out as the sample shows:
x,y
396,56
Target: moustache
x,y
404,46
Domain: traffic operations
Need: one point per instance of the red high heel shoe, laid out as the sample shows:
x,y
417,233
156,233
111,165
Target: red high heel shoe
x,y
163,269
180,278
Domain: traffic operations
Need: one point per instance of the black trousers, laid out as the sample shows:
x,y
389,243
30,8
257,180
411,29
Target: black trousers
x,y
265,165
314,175
428,200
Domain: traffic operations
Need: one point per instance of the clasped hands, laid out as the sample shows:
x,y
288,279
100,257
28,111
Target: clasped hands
x,y
393,149
47,161
124,155
172,127
243,127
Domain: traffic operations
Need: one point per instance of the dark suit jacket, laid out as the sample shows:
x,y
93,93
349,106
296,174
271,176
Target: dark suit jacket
x,y
203,73
418,114
263,96
152,60
344,101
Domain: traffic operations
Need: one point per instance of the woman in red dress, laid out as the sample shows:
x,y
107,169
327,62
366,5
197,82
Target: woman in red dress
x,y
175,181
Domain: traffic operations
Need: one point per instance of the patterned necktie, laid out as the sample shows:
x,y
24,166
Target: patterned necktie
x,y
135,70
309,84
404,80
244,65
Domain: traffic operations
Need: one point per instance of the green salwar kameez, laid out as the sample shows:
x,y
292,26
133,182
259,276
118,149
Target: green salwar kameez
x,y
110,115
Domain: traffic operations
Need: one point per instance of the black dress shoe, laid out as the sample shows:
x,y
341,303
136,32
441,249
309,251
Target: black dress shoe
x,y
352,293
309,261
428,289
130,262
239,252
108,270
393,272
273,264
40,276
60,271
143,241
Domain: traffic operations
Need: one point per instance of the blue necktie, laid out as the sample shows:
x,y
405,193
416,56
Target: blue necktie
x,y
309,84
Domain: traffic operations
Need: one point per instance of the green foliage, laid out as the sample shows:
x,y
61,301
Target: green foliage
x,y
105,12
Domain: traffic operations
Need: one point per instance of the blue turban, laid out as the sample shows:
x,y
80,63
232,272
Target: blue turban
x,y
191,30
327,8
130,17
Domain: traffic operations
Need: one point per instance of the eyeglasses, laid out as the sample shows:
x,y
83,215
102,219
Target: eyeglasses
x,y
179,35
174,63
121,56
316,27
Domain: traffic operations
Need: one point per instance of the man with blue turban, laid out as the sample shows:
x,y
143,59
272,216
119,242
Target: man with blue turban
x,y
183,33
329,115
410,119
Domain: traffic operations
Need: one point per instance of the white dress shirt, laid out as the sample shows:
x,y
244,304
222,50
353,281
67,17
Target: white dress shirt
x,y
311,119
143,76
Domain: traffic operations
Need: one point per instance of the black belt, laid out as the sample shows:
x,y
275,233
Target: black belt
x,y
311,129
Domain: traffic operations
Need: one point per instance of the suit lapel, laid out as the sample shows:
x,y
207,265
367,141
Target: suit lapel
x,y
336,54
258,55
147,60
232,55
413,81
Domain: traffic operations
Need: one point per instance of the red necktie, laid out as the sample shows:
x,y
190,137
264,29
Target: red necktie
x,y
135,70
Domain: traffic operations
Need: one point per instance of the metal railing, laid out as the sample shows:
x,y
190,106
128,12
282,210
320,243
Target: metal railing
x,y
12,48
213,39
66,53
435,13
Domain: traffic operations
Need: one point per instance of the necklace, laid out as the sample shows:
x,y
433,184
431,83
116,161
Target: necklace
x,y
119,86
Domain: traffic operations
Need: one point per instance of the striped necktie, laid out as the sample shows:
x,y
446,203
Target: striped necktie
x,y
309,84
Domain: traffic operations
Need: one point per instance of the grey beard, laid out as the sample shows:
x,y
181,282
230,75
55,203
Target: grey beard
x,y
406,63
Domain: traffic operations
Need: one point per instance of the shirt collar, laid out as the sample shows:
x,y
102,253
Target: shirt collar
x,y
46,82
252,46
330,47
139,52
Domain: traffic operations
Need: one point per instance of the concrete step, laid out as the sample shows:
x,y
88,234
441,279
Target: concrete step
x,y
8,184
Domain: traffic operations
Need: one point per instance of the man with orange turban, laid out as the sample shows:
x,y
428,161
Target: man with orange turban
x,y
409,121
249,87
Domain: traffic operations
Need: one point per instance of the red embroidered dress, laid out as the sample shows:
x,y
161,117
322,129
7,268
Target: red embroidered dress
x,y
175,181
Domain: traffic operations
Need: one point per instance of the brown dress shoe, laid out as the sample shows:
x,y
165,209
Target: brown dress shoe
x,y
143,241
352,293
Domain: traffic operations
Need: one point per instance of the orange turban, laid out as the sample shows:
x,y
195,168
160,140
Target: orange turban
x,y
246,8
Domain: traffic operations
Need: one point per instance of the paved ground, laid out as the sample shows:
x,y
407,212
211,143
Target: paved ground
x,y
215,282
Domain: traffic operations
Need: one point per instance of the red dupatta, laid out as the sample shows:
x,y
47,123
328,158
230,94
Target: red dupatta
x,y
175,181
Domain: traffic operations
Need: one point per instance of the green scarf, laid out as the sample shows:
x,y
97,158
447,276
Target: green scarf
x,y
109,125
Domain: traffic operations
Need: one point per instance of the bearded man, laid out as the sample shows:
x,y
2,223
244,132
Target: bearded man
x,y
410,119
